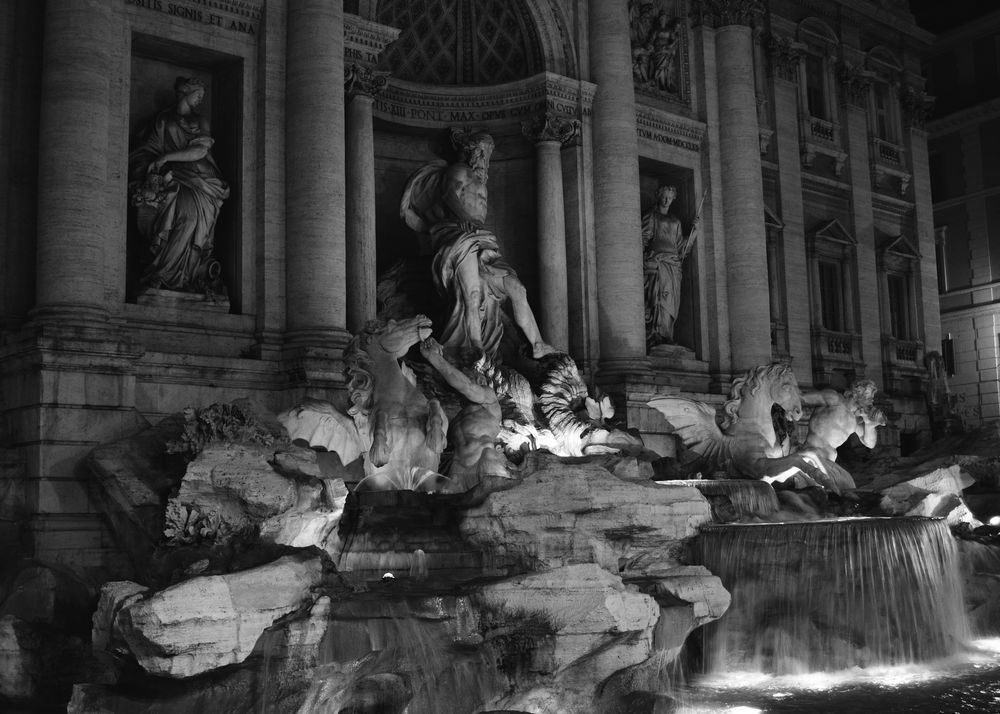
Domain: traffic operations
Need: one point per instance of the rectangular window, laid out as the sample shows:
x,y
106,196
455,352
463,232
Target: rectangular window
x,y
899,307
831,296
885,128
815,87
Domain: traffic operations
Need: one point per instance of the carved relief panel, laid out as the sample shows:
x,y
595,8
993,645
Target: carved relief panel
x,y
659,39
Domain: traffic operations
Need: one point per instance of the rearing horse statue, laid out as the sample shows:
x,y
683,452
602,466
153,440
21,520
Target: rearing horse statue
x,y
390,423
746,445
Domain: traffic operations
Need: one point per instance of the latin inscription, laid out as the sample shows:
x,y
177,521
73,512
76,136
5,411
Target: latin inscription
x,y
467,116
197,14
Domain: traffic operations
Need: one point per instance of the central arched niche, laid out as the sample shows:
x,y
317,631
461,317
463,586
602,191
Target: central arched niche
x,y
479,52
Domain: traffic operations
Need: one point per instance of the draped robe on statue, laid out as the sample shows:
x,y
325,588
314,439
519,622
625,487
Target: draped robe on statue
x,y
179,222
662,271
424,211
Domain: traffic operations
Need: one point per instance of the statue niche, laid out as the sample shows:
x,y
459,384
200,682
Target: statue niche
x,y
665,247
177,191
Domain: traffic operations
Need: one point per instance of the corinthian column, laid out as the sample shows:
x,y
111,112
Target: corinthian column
x,y
742,186
621,322
73,213
361,85
550,132
315,255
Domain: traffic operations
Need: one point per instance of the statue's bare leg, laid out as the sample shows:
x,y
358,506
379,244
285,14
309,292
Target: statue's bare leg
x,y
525,318
470,292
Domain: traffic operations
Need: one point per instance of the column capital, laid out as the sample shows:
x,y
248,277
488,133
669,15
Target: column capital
x,y
855,83
916,105
719,13
784,58
360,80
551,127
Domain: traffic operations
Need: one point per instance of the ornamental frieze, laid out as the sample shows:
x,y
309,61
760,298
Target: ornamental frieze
x,y
435,106
669,129
719,13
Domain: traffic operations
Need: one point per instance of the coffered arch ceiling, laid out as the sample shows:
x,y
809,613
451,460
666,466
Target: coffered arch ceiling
x,y
474,42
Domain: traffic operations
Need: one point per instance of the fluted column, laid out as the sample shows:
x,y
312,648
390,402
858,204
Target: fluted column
x,y
550,132
314,159
361,84
73,210
617,223
742,185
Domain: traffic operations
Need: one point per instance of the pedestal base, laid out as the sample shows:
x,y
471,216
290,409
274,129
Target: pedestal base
x,y
156,297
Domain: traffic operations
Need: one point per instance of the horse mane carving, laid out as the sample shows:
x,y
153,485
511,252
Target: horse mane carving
x,y
748,385
747,444
359,368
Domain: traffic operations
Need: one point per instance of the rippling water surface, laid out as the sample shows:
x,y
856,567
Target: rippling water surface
x,y
965,684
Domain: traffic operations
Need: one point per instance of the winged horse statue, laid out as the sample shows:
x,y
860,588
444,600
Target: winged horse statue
x,y
746,444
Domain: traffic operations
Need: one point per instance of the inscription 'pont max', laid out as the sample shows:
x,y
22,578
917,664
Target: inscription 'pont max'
x,y
196,14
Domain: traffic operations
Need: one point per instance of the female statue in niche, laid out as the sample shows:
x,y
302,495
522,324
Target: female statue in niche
x,y
177,189
664,249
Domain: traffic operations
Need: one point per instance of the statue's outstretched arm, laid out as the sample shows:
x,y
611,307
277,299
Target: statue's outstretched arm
x,y
433,352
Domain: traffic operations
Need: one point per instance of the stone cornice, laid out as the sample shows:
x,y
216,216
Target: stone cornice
x,y
663,128
965,117
444,106
860,12
548,126
364,40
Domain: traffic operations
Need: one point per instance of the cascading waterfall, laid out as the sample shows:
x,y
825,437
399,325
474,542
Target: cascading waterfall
x,y
833,594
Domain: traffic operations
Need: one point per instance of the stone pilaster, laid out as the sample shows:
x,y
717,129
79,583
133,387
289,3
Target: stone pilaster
x,y
784,64
616,195
743,209
73,164
550,132
927,298
361,85
854,93
316,314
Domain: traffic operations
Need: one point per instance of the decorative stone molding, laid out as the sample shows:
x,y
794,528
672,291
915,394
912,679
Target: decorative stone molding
x,y
662,128
719,13
362,80
443,106
855,83
784,57
364,40
916,105
551,127
764,136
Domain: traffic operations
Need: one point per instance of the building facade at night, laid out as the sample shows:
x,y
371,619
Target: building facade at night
x,y
792,130
964,135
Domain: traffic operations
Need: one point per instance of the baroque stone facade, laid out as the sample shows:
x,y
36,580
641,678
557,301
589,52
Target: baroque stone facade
x,y
964,131
794,126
